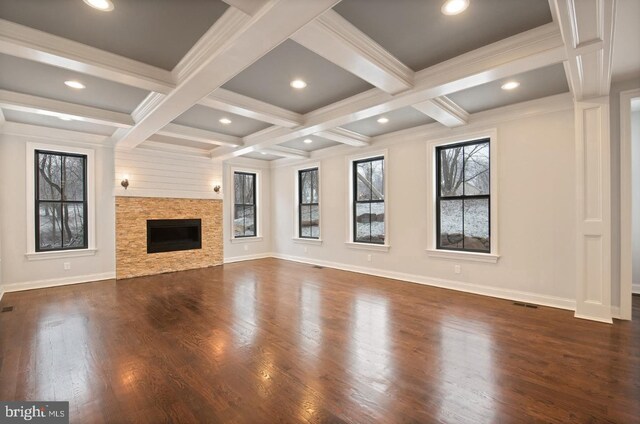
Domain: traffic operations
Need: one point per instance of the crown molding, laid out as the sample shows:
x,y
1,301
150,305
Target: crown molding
x,y
33,104
199,135
444,110
147,105
286,152
28,43
154,145
54,134
345,136
337,40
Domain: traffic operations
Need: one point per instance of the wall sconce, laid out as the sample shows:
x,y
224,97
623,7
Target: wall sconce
x,y
125,182
217,188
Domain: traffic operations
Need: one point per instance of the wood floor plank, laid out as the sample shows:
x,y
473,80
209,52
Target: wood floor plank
x,y
271,341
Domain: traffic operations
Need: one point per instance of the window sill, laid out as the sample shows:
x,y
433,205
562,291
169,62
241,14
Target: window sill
x,y
59,254
463,256
246,239
368,246
307,241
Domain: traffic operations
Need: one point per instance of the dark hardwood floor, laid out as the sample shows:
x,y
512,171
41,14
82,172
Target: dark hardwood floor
x,y
273,341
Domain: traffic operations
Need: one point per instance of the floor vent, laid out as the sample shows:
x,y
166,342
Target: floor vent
x,y
7,309
525,305
318,267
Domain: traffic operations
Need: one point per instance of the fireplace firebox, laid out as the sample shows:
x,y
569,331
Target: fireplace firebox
x,y
169,235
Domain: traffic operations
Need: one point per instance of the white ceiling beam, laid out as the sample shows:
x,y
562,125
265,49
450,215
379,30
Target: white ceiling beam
x,y
587,28
286,152
533,49
28,43
2,118
250,7
444,110
238,104
199,135
337,40
347,137
234,42
33,104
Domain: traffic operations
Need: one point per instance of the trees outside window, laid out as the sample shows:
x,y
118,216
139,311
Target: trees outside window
x,y
308,204
60,201
368,201
463,196
244,208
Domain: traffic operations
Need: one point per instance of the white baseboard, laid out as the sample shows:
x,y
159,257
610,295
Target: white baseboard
x,y
635,288
520,296
1,293
53,282
249,257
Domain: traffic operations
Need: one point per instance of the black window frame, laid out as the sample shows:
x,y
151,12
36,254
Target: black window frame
x,y
462,197
62,201
355,201
244,205
301,203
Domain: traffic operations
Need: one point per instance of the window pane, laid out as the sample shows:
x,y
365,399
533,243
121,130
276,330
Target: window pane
x,y
49,175
476,169
305,187
305,221
377,222
451,224
363,222
315,195
73,178
249,216
238,221
451,171
73,225
315,221
377,180
50,229
238,185
249,181
476,224
363,183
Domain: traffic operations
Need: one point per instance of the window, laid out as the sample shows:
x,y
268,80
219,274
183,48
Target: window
x,y
463,197
60,201
308,204
368,201
244,211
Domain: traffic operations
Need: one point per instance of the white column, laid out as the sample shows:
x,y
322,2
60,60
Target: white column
x,y
593,212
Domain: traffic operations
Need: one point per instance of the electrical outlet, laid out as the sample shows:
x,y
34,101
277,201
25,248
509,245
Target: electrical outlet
x,y
368,258
67,266
246,247
456,269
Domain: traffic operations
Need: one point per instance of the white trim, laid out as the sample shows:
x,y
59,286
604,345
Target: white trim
x,y
626,213
243,258
515,295
463,256
54,134
240,240
54,282
29,189
317,242
258,200
60,254
296,203
369,246
349,241
492,135
444,110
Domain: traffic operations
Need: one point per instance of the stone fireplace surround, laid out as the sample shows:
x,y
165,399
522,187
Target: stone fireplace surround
x,y
132,213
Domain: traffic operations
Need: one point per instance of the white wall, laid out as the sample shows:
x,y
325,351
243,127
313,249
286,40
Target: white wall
x,y
635,201
17,271
239,249
536,215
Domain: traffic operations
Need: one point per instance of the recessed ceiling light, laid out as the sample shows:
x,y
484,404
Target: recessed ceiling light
x,y
383,120
510,85
298,83
225,121
74,84
453,7
308,141
103,5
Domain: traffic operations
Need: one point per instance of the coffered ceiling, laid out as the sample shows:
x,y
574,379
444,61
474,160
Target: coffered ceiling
x,y
207,77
